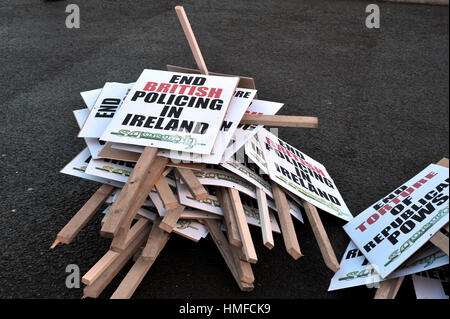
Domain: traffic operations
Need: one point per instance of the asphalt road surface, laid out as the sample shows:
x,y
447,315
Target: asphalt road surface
x,y
381,96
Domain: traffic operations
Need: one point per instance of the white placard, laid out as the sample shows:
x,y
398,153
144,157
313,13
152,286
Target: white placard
x,y
244,132
392,229
238,106
301,175
428,288
89,97
94,144
105,107
110,169
77,167
355,270
174,111
254,152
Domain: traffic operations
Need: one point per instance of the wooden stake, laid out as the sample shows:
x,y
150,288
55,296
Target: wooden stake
x,y
264,217
127,196
243,267
287,225
150,177
195,187
101,265
280,120
165,193
388,289
321,236
230,220
225,250
170,220
95,289
83,216
191,39
241,221
154,241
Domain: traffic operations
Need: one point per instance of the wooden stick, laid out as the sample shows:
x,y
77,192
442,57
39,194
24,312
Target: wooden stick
x,y
225,250
156,170
241,221
264,217
83,216
230,221
243,267
195,187
142,265
170,220
443,162
131,189
165,193
280,120
191,39
440,240
287,225
156,237
100,267
321,236
95,289
388,289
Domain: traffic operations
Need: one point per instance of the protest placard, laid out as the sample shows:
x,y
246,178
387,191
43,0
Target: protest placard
x,y
94,144
107,104
244,132
392,229
432,284
302,175
355,270
89,97
238,106
78,165
174,111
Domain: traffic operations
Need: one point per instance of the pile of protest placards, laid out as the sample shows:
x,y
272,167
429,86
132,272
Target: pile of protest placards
x,y
185,152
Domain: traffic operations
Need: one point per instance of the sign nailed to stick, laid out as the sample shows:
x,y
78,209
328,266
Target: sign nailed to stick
x,y
173,111
395,227
303,176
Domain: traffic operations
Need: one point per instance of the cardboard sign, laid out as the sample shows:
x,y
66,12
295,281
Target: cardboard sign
x,y
174,111
355,270
94,144
110,169
432,284
77,167
254,152
244,132
106,105
301,175
89,97
238,106
392,229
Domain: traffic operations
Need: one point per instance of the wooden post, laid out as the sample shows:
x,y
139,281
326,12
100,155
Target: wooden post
x,y
191,39
321,236
264,217
388,289
83,216
151,177
165,193
195,187
225,250
244,232
131,189
169,221
280,120
230,220
287,225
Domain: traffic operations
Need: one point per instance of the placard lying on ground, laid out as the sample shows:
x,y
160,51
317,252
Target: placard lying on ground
x,y
77,167
302,175
392,229
106,105
174,111
238,106
244,132
432,284
94,144
355,270
89,97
